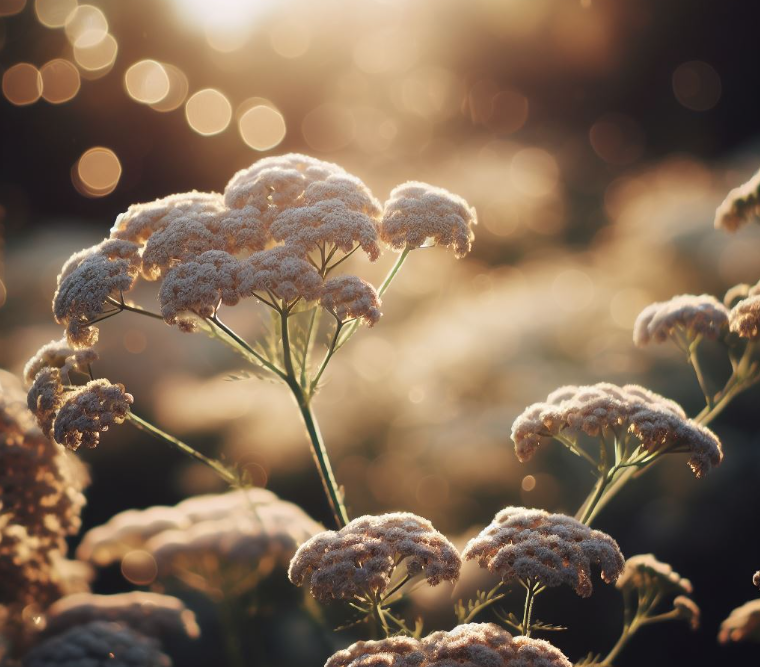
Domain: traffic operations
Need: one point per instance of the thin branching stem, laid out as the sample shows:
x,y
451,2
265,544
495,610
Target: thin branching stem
x,y
328,355
241,345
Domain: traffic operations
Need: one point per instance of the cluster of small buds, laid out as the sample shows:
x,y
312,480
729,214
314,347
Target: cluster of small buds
x,y
245,527
742,624
553,549
744,318
272,236
645,571
97,644
58,354
350,297
41,501
658,424
740,206
359,560
696,316
470,645
687,610
150,614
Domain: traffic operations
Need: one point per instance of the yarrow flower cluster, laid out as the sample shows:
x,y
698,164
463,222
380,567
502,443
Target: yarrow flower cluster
x,y
274,235
243,527
740,206
693,316
359,560
41,501
150,614
658,424
742,624
553,549
744,318
98,644
470,645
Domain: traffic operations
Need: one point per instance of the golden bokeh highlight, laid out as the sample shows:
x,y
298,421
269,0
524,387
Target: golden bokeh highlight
x,y
617,139
96,59
147,82
139,567
697,85
227,38
54,13
178,89
328,128
86,26
134,341
262,126
528,483
60,81
290,38
208,112
97,172
11,7
534,172
22,84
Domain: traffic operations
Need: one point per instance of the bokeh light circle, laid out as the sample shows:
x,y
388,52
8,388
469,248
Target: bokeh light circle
x,y
22,84
147,81
86,26
96,59
178,88
60,81
697,85
11,7
54,13
208,112
262,127
139,567
98,172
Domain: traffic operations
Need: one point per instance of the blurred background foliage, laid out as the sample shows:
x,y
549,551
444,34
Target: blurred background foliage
x,y
595,139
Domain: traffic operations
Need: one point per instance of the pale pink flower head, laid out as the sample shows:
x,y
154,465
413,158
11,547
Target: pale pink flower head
x,y
694,316
756,579
688,610
58,354
87,280
467,645
742,624
88,411
741,206
554,549
45,398
644,572
282,274
744,318
140,221
417,213
98,644
658,424
350,297
359,559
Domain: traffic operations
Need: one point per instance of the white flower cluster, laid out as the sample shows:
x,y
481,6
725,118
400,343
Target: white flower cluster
x,y
657,423
553,549
701,315
740,206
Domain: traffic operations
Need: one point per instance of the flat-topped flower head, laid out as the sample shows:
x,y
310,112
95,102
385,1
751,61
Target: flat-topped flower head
x,y
85,283
644,572
657,424
742,624
140,221
744,318
553,549
150,614
740,207
687,315
756,579
359,559
89,411
350,297
281,273
97,644
58,354
687,610
468,645
418,212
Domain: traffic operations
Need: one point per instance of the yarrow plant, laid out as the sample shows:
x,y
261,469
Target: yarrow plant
x,y
280,236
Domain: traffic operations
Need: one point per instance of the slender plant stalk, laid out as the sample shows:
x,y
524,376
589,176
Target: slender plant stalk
x,y
532,589
219,468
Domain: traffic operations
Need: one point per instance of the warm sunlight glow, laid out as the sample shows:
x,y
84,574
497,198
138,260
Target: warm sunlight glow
x,y
98,172
147,82
208,112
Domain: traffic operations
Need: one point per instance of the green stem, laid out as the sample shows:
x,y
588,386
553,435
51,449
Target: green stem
x,y
491,597
625,635
693,358
244,348
219,468
351,329
328,356
531,590
307,345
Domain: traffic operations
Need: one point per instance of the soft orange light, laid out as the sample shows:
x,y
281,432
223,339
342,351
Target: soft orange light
x,y
139,567
97,59
328,128
147,82
534,172
178,87
54,13
22,84
697,85
208,112
98,171
290,38
86,26
262,127
11,7
60,81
